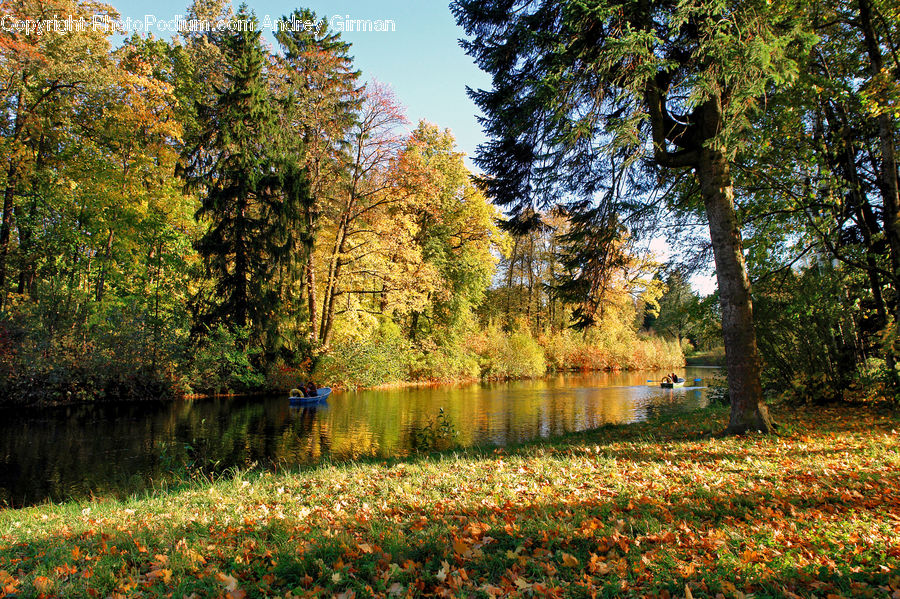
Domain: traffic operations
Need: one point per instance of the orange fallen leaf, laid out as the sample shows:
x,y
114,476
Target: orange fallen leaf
x,y
462,548
569,560
42,584
163,574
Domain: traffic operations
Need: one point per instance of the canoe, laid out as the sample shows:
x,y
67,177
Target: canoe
x,y
321,395
680,383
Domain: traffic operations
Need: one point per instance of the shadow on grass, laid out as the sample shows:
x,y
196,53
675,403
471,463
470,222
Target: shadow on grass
x,y
793,527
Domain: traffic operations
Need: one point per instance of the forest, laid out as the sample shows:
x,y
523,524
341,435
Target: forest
x,y
206,214
203,215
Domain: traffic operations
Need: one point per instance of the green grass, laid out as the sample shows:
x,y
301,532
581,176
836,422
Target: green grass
x,y
711,357
653,509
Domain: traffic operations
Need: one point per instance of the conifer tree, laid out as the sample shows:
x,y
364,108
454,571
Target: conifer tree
x,y
253,191
321,100
652,86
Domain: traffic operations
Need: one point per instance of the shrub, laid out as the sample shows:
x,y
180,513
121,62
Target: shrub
x,y
517,355
352,363
223,363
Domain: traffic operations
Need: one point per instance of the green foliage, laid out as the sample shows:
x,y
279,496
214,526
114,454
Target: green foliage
x,y
438,434
367,362
107,351
448,361
222,363
807,334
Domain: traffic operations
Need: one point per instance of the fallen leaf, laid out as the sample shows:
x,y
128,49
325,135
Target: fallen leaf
x,y
569,560
442,573
229,582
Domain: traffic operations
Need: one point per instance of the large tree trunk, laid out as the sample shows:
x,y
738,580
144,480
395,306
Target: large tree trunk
x,y
748,411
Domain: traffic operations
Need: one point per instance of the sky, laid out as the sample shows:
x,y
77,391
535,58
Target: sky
x,y
421,60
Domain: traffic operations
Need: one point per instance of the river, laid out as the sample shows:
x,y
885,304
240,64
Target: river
x,y
117,449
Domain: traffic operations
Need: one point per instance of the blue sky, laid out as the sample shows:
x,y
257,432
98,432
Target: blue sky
x,y
421,60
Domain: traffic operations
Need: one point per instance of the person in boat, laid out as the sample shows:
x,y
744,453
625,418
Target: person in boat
x,y
674,377
311,390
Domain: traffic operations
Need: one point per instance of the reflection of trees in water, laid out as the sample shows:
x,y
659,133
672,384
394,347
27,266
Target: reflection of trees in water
x,y
119,449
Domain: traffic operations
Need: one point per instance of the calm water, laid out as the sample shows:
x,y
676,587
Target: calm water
x,y
82,450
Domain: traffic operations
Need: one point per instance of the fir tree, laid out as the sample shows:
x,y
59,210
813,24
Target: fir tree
x,y
253,192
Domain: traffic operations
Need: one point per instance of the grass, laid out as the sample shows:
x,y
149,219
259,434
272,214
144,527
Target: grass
x,y
658,509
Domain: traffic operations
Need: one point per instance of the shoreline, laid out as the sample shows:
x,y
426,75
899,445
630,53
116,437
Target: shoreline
x,y
381,387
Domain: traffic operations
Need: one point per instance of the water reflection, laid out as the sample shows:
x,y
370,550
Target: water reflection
x,y
82,450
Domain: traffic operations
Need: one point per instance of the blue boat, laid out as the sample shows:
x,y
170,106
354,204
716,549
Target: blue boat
x,y
321,395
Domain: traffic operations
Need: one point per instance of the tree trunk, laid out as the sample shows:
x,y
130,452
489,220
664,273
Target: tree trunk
x,y
311,297
748,412
328,308
887,177
101,277
6,226
12,179
334,272
509,277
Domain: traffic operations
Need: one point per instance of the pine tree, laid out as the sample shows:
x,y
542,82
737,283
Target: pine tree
x,y
646,87
321,100
253,191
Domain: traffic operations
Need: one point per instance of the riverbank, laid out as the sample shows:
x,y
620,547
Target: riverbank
x,y
712,357
658,508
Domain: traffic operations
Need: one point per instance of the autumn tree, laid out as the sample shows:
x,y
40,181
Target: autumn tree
x,y
44,75
372,186
456,229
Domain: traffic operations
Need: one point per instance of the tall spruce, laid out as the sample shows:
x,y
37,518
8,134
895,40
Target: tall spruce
x,y
253,192
669,85
321,97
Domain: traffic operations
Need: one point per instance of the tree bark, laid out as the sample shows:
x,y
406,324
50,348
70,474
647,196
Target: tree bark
x,y
334,271
311,297
101,277
6,226
748,411
12,179
887,177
